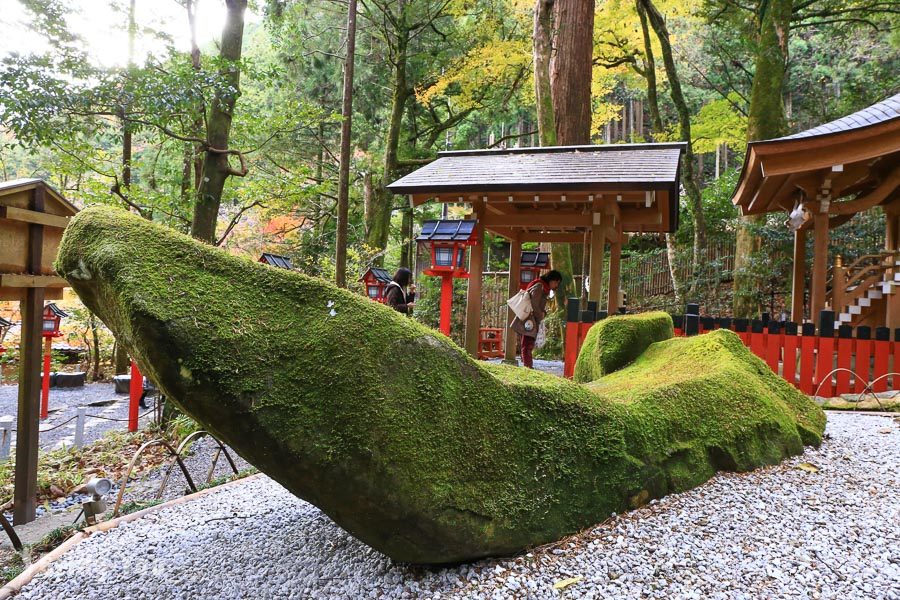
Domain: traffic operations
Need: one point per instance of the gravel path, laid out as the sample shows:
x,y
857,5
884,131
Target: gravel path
x,y
102,403
781,532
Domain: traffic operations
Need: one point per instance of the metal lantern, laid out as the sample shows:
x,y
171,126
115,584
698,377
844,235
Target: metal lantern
x,y
52,316
447,240
532,263
376,281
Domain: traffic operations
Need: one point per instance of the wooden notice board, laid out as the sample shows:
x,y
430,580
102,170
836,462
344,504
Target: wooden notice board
x,y
32,219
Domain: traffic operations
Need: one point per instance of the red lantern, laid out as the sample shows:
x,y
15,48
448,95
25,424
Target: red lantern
x,y
52,317
532,264
376,281
448,241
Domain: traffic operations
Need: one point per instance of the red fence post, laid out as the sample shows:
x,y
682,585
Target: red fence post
x,y
757,339
135,389
863,358
844,359
789,360
740,327
807,359
774,340
825,358
882,350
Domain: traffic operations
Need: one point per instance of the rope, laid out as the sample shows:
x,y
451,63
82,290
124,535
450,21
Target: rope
x,y
58,425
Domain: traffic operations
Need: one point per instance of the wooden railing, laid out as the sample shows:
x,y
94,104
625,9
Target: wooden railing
x,y
849,283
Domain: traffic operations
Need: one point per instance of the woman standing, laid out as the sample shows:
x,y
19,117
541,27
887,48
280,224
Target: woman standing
x,y
538,291
396,295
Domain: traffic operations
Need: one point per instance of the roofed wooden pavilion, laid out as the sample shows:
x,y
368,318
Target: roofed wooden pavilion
x,y
571,194
820,178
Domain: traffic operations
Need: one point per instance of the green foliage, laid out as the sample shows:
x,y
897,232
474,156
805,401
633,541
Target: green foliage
x,y
616,341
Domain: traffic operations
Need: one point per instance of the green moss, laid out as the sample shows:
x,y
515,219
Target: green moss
x,y
616,341
390,428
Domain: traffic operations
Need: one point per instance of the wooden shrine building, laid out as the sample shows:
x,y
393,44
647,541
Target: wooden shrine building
x,y
571,194
819,179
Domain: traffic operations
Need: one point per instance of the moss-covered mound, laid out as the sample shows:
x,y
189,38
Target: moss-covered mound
x,y
391,429
616,341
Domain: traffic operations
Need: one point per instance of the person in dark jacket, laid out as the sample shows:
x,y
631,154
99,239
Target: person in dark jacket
x,y
539,291
396,295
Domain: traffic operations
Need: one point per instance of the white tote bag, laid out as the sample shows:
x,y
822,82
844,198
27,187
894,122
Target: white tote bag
x,y
520,304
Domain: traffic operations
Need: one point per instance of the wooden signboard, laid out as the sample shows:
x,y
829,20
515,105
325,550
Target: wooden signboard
x,y
32,219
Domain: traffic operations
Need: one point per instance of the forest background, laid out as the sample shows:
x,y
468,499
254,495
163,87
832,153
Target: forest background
x,y
237,140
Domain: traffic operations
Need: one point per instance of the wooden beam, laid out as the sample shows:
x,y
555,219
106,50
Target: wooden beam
x,y
476,272
615,257
765,194
566,238
824,153
598,248
870,200
515,270
538,219
31,216
27,428
9,280
641,217
798,282
820,265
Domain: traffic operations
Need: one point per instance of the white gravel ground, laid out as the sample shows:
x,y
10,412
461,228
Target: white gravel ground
x,y
781,532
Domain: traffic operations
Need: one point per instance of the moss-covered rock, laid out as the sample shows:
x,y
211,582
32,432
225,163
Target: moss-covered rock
x,y
391,429
616,341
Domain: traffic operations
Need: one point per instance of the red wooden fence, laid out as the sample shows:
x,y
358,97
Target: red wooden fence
x,y
815,364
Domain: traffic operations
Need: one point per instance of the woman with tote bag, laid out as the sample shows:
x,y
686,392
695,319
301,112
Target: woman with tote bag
x,y
538,292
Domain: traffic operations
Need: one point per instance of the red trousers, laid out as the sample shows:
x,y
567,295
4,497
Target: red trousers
x,y
527,348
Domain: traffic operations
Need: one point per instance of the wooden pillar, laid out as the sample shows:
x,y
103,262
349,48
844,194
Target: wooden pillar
x,y
598,248
797,284
892,243
615,256
515,271
820,265
476,273
27,428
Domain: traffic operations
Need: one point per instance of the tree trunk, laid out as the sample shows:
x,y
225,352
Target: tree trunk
x,y
690,177
570,71
406,228
126,126
216,166
378,218
340,261
543,34
657,128
766,119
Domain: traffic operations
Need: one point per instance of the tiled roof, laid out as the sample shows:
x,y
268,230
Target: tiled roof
x,y
550,168
530,258
382,275
455,230
282,262
885,110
